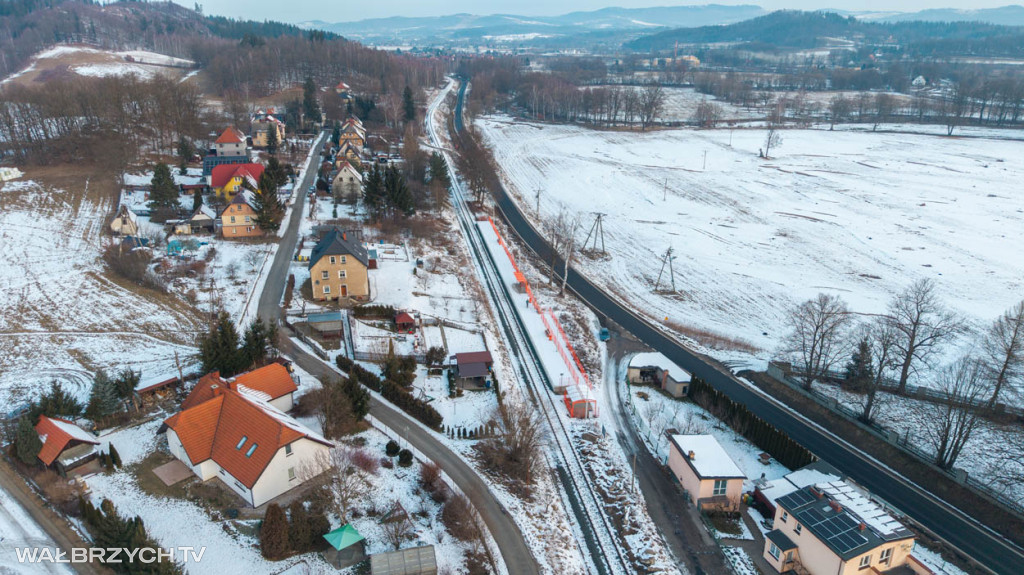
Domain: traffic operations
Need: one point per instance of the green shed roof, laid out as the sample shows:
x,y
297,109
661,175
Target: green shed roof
x,y
343,537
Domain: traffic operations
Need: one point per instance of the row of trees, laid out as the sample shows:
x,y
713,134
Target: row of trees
x,y
887,349
386,194
110,530
221,349
301,531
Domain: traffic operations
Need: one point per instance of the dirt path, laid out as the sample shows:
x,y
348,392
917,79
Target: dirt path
x,y
53,524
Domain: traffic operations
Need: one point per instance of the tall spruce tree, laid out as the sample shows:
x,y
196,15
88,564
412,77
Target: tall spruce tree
x,y
103,398
399,197
408,104
218,348
197,199
310,103
272,140
26,442
336,134
257,344
185,152
277,172
374,194
860,370
163,194
56,402
126,382
274,533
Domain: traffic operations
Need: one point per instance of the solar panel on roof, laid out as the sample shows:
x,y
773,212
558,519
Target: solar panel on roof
x,y
798,498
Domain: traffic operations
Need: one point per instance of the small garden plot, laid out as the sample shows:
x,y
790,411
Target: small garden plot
x,y
467,411
741,563
373,340
728,526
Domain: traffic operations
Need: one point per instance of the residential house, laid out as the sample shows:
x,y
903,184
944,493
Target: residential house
x,y
262,123
254,448
349,152
711,478
125,223
203,220
238,220
272,382
231,147
405,322
227,180
472,369
656,369
343,90
338,268
65,445
348,182
353,133
767,491
833,529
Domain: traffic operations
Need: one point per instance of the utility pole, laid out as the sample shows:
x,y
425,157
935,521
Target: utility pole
x,y
597,230
538,201
666,260
664,193
632,481
705,166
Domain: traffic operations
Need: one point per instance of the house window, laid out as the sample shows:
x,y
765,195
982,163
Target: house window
x,y
324,274
865,562
720,487
291,474
240,486
234,230
246,219
341,274
241,442
232,219
251,450
344,259
288,449
789,556
784,517
332,260
798,529
774,551
885,556
327,289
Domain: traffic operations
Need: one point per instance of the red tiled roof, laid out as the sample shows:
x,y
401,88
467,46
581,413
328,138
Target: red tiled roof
x,y
204,390
231,135
473,357
273,380
403,317
57,438
226,427
222,174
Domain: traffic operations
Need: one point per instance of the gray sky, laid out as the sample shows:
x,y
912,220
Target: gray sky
x,y
301,10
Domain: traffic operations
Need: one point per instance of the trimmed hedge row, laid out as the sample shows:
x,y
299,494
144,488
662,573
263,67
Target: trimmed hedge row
x,y
381,311
396,394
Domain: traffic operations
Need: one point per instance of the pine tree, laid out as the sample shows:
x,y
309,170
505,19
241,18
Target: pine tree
x,y
115,457
185,152
336,134
374,195
860,370
274,533
197,200
269,210
408,104
299,534
218,348
277,172
258,340
163,194
103,398
310,103
126,382
399,196
55,403
27,442
272,140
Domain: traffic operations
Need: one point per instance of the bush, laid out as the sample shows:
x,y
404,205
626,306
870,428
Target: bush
x,y
392,449
363,460
435,355
457,517
274,533
404,458
432,483
375,311
133,265
344,364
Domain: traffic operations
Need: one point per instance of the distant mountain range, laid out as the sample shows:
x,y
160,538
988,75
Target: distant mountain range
x,y
612,26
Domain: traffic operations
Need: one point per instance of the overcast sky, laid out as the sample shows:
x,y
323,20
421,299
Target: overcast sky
x,y
301,10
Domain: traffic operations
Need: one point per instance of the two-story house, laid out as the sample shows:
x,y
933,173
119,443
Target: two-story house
x,y
254,448
833,529
348,182
352,131
339,268
262,123
238,220
272,381
711,479
231,147
228,179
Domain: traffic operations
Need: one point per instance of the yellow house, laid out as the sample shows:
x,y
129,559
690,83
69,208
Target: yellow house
x,y
338,268
226,180
832,529
352,131
262,124
238,220
711,478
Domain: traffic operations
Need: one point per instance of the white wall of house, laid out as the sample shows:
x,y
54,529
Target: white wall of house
x,y
204,469
276,478
284,403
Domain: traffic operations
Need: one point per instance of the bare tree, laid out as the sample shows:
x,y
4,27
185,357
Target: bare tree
x,y
922,324
884,104
345,481
882,337
1003,347
396,525
652,99
773,138
948,424
707,114
839,110
819,328
515,450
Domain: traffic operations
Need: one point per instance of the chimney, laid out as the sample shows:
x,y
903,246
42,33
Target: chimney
x,y
692,455
835,506
344,236
815,493
862,526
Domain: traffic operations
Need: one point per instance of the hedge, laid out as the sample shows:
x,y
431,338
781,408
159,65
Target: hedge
x,y
391,391
381,311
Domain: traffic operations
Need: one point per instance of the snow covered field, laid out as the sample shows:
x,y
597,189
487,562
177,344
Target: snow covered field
x,y
855,213
18,530
61,316
93,62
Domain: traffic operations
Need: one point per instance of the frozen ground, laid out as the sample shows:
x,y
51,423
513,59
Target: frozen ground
x,y
93,62
859,214
18,530
62,316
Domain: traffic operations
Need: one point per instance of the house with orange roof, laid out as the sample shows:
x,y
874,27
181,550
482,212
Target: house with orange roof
x,y
239,438
65,445
352,131
226,180
231,147
238,220
272,381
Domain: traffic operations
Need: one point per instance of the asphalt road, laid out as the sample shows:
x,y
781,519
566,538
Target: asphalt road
x,y
509,539
947,522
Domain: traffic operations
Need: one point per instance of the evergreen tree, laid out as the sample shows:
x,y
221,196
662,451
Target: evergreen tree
x,y
197,199
274,533
358,396
257,343
439,170
218,348
860,370
103,398
277,172
163,195
272,140
336,134
126,382
374,195
115,457
310,103
269,211
299,534
408,104
319,526
185,152
55,403
27,443
399,196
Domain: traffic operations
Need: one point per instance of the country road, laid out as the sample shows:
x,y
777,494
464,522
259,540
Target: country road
x,y
949,523
511,544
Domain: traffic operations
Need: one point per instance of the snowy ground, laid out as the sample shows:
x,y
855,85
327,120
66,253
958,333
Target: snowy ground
x,y
18,530
93,62
855,213
62,316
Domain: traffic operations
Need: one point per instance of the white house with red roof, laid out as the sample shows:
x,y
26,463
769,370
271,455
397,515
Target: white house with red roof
x,y
254,448
231,147
272,381
65,445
